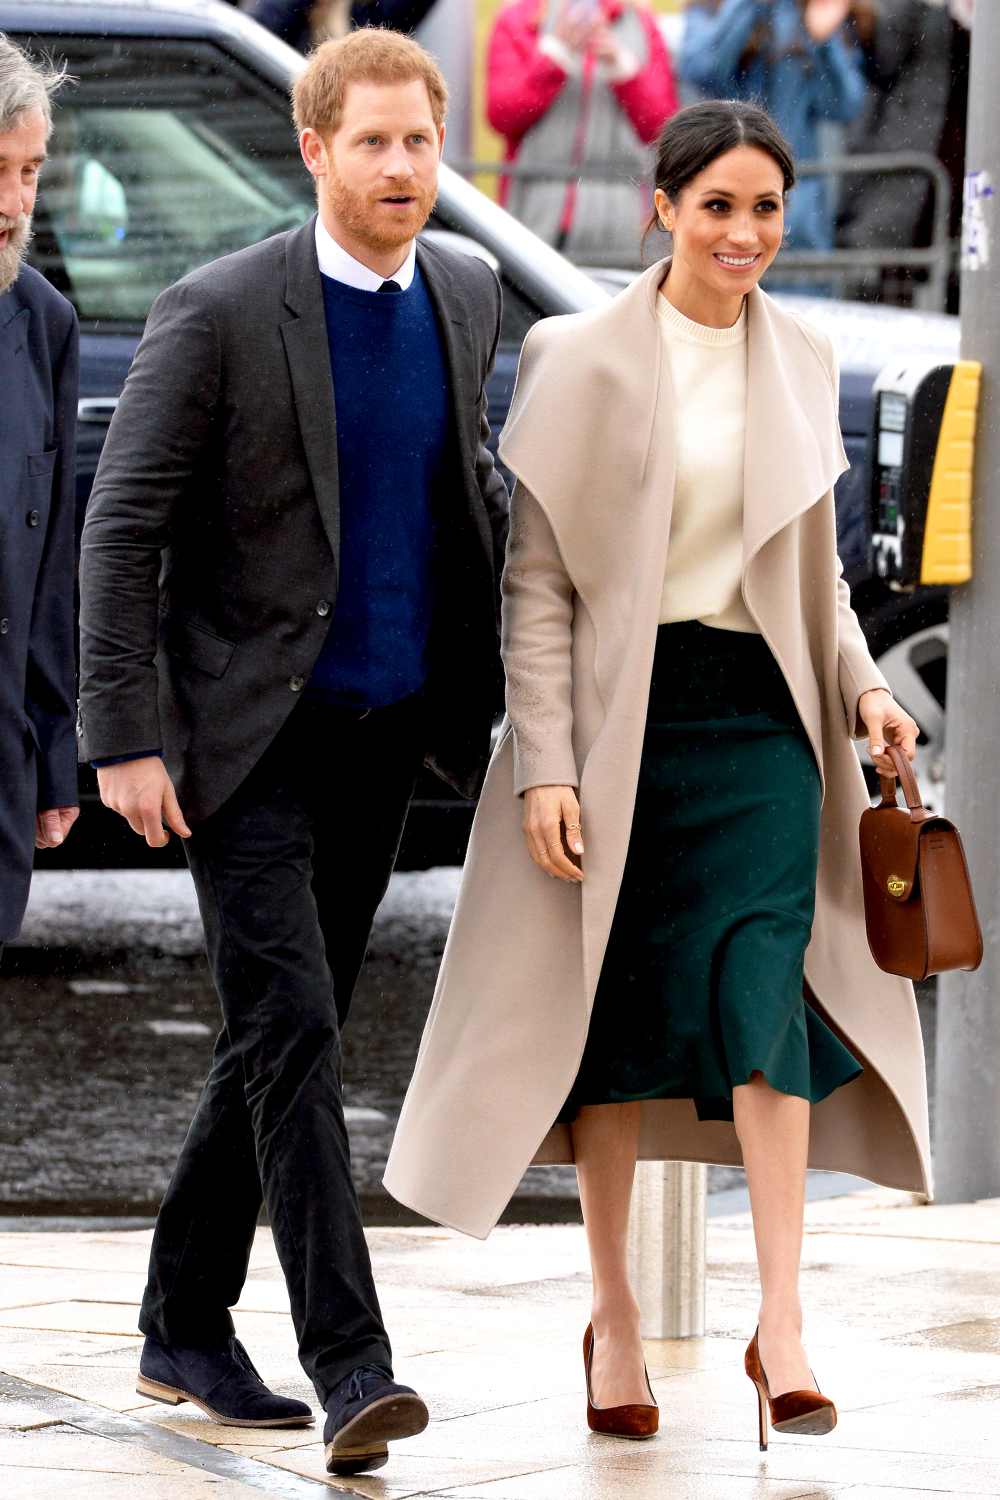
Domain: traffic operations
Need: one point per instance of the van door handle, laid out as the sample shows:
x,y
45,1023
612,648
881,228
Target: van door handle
x,y
96,409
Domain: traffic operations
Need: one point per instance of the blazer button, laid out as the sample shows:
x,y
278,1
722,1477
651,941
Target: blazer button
x,y
296,684
323,607
4,626
33,518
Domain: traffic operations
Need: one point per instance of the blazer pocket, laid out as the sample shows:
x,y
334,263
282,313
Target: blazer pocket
x,y
197,646
42,463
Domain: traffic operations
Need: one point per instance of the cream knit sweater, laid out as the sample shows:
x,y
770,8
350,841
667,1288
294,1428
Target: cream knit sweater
x,y
708,368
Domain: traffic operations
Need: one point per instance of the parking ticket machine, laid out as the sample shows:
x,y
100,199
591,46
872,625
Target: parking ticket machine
x,y
923,451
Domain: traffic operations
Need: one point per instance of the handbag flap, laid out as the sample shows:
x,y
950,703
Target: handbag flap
x,y
890,847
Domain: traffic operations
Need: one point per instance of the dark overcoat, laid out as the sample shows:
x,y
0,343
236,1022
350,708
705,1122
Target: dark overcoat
x,y
210,550
39,360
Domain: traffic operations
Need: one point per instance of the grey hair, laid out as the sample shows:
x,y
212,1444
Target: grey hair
x,y
25,84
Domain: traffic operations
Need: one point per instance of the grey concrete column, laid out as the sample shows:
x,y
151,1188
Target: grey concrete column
x,y
667,1248
967,1133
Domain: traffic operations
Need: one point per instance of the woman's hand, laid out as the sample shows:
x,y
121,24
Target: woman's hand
x,y
887,724
576,26
552,830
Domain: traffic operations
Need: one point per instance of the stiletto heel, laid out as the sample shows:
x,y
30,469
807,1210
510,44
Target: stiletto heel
x,y
807,1412
618,1421
762,1419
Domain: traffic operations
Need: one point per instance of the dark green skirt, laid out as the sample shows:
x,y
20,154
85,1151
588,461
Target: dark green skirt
x,y
702,981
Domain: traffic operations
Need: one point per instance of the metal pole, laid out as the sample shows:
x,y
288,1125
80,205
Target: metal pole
x,y
967,1144
666,1248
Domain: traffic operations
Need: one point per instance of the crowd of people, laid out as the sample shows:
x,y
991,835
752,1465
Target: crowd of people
x,y
574,86
578,89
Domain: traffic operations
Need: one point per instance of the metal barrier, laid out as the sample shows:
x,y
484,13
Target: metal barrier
x,y
937,259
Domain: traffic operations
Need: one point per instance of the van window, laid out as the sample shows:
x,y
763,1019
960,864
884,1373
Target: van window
x,y
165,155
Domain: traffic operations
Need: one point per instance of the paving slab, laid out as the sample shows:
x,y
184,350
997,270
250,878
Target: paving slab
x,y
903,1303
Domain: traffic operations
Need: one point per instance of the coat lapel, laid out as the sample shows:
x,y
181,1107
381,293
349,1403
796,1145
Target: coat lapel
x,y
307,349
465,374
596,419
590,434
792,456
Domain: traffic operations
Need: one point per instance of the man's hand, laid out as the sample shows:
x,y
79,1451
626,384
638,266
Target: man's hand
x,y
143,793
887,724
552,830
52,826
824,17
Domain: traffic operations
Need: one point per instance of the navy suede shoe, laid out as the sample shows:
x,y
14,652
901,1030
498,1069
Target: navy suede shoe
x,y
364,1412
221,1381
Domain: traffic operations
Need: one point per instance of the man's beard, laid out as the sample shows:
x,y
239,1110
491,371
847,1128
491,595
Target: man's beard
x,y
13,253
359,212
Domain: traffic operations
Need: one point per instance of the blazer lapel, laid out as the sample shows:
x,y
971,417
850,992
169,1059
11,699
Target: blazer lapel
x,y
307,349
465,377
14,322
452,312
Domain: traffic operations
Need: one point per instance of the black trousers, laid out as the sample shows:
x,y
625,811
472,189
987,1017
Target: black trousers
x,y
289,873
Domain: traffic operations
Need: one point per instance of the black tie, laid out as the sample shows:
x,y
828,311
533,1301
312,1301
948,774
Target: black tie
x,y
390,286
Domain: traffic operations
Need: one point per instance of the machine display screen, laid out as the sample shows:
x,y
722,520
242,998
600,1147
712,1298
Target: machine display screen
x,y
890,449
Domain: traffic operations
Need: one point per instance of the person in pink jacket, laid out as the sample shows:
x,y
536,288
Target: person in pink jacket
x,y
570,83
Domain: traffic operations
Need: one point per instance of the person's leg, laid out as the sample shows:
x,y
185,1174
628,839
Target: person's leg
x,y
348,887
206,1222
205,1226
252,863
605,1145
773,1129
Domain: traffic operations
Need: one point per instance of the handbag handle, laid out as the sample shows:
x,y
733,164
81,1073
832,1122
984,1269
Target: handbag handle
x,y
907,780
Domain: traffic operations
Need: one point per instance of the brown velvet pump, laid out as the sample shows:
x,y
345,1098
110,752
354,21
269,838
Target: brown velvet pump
x,y
618,1421
807,1412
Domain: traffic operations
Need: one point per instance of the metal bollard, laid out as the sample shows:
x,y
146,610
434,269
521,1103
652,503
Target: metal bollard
x,y
666,1248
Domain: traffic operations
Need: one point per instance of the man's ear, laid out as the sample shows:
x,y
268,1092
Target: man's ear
x,y
313,151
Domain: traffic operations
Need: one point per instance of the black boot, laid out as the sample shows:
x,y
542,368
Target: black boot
x,y
364,1411
222,1381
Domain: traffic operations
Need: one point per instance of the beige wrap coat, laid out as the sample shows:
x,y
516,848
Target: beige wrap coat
x,y
590,440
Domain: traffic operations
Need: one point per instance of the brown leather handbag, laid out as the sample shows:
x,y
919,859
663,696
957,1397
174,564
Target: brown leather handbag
x,y
919,908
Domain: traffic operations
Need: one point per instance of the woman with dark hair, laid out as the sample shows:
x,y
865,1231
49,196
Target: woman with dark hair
x,y
794,58
680,971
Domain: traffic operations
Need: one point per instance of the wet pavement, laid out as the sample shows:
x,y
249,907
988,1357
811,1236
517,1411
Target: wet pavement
x,y
902,1331
107,1020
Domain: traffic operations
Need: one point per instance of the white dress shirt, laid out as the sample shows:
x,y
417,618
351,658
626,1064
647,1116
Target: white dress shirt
x,y
334,261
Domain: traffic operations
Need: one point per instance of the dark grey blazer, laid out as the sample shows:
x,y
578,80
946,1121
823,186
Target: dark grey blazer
x,y
209,554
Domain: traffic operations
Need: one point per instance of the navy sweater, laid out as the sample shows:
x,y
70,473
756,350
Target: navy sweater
x,y
391,390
